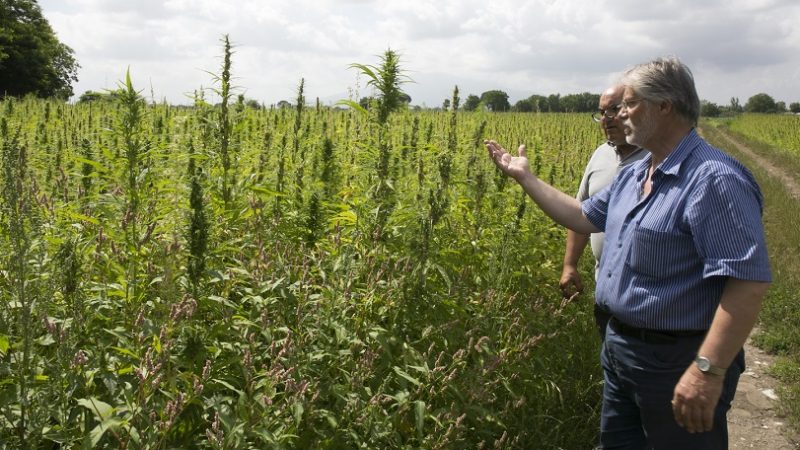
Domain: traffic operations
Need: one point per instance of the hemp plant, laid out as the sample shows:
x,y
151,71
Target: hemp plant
x,y
129,129
224,125
387,79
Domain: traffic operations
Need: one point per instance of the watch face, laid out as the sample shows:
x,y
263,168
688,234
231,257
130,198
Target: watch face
x,y
703,364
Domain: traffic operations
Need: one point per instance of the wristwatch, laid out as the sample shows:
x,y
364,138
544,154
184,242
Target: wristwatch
x,y
705,366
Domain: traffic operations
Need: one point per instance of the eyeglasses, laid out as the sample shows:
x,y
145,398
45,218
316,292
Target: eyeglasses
x,y
609,113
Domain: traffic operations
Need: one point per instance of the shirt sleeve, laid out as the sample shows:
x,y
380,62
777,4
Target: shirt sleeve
x,y
595,208
583,189
725,218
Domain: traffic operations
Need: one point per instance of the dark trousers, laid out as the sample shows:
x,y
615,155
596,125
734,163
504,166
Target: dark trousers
x,y
601,318
640,378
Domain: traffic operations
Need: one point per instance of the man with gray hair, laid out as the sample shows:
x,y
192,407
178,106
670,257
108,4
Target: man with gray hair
x,y
604,164
683,272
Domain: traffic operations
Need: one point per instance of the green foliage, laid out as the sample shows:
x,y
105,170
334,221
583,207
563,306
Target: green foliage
x,y
760,103
32,60
145,312
472,102
387,79
780,314
709,109
495,100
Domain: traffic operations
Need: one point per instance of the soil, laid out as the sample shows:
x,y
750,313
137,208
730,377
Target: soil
x,y
754,421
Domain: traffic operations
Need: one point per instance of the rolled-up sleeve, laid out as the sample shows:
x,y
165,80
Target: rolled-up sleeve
x,y
725,218
595,208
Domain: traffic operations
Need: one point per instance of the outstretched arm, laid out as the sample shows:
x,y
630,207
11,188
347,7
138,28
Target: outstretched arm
x,y
562,208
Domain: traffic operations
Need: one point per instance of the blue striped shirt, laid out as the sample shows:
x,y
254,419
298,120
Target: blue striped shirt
x,y
667,256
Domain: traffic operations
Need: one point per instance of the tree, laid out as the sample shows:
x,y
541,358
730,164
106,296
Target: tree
x,y
760,103
794,107
780,107
539,102
524,105
709,109
446,104
471,103
554,103
581,103
496,100
735,106
32,59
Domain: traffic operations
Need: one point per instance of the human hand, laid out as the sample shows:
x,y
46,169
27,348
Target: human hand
x,y
570,283
514,166
695,399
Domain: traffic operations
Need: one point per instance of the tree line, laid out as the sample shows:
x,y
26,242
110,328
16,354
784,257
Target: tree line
x,y
33,61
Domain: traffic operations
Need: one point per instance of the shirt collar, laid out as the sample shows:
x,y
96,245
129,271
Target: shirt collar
x,y
672,164
630,155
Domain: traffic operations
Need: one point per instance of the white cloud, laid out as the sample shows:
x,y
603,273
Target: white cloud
x,y
735,47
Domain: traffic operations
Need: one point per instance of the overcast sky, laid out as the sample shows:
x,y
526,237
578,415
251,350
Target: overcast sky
x,y
736,48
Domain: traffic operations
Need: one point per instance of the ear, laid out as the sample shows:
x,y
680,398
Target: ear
x,y
665,107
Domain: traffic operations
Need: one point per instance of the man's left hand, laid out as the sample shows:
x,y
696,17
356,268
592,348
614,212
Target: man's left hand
x,y
695,399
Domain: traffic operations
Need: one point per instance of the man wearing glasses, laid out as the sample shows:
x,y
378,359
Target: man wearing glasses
x,y
604,164
683,272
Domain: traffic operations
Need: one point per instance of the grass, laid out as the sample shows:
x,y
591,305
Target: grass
x,y
780,317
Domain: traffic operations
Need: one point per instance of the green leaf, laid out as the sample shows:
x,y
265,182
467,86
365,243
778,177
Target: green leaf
x,y
95,164
157,344
82,218
346,218
353,105
297,411
265,192
98,431
126,352
4,345
101,410
407,376
419,415
228,385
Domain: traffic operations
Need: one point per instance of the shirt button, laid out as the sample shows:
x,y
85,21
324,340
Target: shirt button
x,y
609,274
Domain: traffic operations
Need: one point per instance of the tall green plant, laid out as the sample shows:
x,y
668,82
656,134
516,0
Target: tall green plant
x,y
129,129
387,79
224,123
198,230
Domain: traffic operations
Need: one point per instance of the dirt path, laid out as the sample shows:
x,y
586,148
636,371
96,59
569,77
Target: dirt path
x,y
791,183
753,422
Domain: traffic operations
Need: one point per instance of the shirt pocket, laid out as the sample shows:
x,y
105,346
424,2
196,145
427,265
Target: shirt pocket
x,y
660,254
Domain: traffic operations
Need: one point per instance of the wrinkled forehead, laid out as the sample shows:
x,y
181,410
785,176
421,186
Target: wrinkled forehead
x,y
611,98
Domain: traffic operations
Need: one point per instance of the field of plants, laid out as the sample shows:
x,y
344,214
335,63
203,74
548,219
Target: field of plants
x,y
771,137
780,131
229,277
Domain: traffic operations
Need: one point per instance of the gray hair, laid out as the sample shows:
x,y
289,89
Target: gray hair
x,y
666,79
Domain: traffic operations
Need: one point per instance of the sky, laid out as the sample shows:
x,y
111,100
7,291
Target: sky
x,y
735,48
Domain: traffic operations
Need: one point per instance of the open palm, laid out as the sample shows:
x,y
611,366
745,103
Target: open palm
x,y
514,166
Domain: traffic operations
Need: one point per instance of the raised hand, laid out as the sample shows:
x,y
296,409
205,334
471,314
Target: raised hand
x,y
514,166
